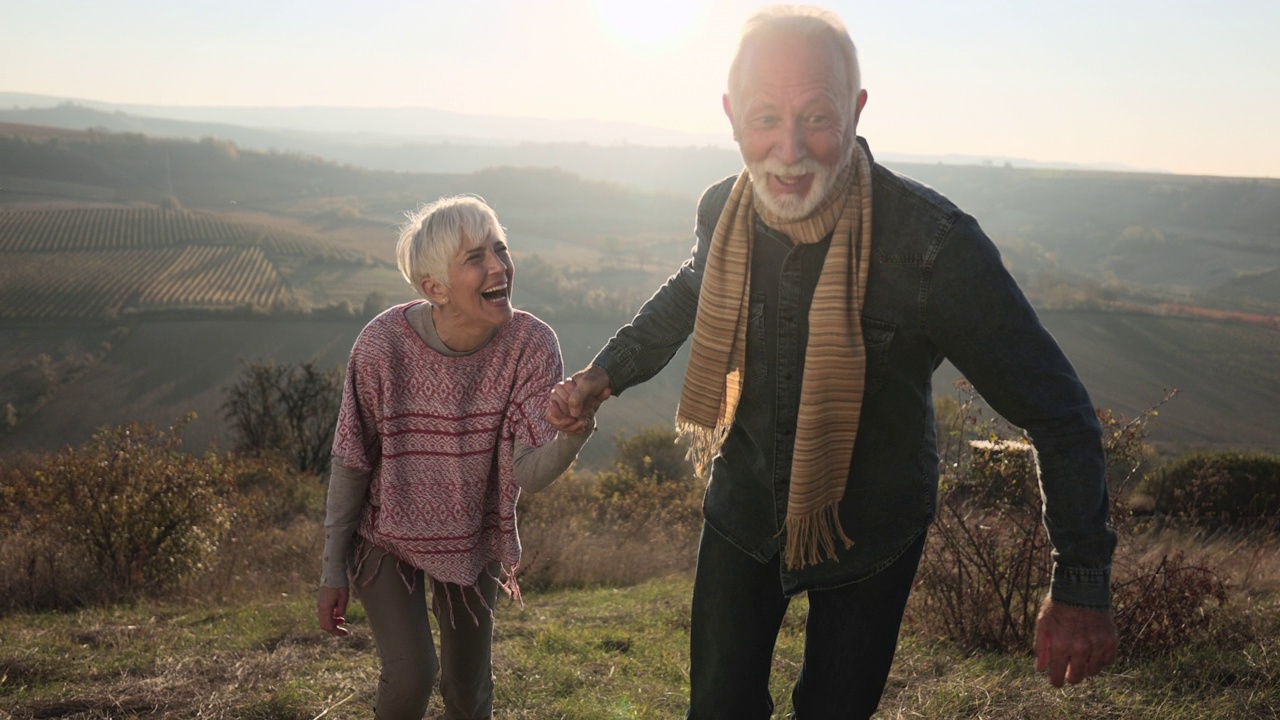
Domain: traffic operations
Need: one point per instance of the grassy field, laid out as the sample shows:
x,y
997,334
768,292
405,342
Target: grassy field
x,y
588,654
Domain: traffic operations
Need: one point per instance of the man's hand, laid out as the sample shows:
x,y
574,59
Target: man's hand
x,y
331,606
574,401
1073,643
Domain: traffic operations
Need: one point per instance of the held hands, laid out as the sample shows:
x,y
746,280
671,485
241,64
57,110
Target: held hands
x,y
574,401
331,606
1073,643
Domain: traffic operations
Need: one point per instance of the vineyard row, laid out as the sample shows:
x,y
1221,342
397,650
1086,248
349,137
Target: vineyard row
x,y
105,284
119,228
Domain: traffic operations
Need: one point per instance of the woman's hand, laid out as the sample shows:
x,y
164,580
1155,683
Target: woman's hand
x,y
331,606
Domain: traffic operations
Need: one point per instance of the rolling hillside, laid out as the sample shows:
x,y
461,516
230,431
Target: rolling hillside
x,y
113,307
1226,375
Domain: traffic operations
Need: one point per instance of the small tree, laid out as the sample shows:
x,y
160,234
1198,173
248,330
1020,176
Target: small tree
x,y
653,455
253,410
285,409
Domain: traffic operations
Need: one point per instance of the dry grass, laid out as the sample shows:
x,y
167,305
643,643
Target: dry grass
x,y
575,536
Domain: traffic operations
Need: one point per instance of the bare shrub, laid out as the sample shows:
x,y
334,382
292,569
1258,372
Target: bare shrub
x,y
988,562
1162,605
985,567
286,409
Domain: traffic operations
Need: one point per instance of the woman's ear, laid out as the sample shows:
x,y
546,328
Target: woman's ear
x,y
435,291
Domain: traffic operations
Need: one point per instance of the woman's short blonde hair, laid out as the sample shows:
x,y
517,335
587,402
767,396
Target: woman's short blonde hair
x,y
434,234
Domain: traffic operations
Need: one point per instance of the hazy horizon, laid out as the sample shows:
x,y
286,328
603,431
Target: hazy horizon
x,y
1179,87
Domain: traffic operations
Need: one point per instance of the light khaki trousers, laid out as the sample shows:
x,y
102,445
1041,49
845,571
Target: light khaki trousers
x,y
402,631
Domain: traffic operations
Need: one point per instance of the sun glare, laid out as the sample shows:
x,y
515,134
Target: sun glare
x,y
651,26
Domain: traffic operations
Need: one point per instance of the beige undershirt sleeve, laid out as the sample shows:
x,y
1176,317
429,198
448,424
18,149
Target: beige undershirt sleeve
x,y
347,492
538,467
534,468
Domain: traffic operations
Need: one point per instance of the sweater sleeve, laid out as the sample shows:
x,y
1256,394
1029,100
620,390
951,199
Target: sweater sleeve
x,y
355,439
540,368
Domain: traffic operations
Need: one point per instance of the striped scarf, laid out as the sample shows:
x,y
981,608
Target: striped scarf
x,y
835,358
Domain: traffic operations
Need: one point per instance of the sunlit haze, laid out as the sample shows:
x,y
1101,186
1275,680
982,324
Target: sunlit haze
x,y
1188,87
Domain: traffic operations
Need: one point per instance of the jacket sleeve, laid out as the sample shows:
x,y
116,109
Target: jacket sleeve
x,y
980,320
643,348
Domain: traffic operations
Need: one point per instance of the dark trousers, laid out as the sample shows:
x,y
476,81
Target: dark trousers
x,y
850,637
410,667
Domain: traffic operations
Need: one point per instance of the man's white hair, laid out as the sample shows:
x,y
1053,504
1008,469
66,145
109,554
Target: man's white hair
x,y
434,234
813,23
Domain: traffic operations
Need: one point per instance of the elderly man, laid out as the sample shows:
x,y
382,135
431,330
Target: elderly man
x,y
823,292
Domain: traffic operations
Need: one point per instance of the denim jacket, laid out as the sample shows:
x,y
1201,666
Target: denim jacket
x,y
936,289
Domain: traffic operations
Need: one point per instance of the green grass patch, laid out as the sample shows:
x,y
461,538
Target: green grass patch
x,y
574,654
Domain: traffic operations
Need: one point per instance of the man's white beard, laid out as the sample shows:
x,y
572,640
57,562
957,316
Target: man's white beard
x,y
790,206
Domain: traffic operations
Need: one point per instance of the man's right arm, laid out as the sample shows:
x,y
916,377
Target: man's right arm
x,y
636,353
643,348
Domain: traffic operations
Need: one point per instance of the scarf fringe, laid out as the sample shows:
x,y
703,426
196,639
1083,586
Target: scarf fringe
x,y
811,538
704,444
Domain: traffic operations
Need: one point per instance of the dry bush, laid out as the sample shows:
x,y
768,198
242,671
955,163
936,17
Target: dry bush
x,y
575,535
123,515
986,565
1162,605
274,543
130,514
981,581
622,526
1173,579
988,562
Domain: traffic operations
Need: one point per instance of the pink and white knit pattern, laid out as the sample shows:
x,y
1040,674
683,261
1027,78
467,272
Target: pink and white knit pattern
x,y
437,433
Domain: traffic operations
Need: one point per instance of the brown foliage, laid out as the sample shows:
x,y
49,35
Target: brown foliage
x,y
574,536
127,513
130,514
1161,606
988,561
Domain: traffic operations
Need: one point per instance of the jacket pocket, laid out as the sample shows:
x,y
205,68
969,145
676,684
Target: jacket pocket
x,y
877,336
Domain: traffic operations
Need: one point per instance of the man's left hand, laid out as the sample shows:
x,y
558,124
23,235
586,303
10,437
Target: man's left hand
x,y
1073,643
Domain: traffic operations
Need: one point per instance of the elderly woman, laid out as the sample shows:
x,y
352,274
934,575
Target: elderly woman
x,y
440,429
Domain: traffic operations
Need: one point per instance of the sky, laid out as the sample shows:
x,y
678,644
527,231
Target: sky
x,y
1183,86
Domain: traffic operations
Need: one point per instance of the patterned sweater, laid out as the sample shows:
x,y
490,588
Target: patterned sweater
x,y
437,433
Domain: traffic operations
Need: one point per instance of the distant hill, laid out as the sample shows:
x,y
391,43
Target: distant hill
x,y
425,140
1184,236
361,125
164,246
1169,237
